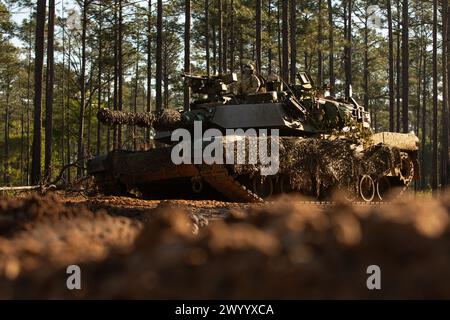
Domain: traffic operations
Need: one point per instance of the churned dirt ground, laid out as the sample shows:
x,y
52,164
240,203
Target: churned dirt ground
x,y
131,248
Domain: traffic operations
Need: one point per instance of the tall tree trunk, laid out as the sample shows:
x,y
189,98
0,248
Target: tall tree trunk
x,y
391,69
108,104
348,46
331,47
269,34
88,152
99,75
225,39
30,45
419,92
165,76
50,79
187,51
445,114
22,144
6,177
319,50
241,50
120,71
253,51
63,94
448,89
398,67
68,141
258,36
136,86
424,120
306,60
366,63
214,48
375,116
159,56
279,34
285,36
80,147
38,65
116,71
434,174
149,67
220,36
405,65
293,39
208,68
232,37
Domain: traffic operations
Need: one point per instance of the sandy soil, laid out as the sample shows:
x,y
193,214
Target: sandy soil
x,y
131,248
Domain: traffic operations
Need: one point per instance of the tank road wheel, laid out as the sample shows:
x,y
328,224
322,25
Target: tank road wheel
x,y
262,186
197,184
383,187
367,188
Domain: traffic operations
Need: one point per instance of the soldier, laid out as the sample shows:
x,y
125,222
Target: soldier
x,y
274,83
250,83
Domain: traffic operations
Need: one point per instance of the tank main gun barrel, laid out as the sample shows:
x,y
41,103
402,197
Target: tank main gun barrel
x,y
165,120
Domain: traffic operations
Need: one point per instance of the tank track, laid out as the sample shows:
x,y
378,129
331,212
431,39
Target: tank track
x,y
217,176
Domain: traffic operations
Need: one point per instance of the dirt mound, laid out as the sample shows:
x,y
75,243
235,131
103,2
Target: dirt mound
x,y
281,250
42,233
22,213
197,219
288,251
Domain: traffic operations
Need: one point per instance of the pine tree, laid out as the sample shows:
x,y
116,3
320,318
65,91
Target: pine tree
x,y
38,66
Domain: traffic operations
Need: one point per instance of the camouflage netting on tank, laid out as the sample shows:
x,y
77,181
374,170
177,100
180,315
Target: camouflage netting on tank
x,y
168,119
313,164
379,159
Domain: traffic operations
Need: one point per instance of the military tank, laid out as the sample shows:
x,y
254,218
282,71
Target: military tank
x,y
322,145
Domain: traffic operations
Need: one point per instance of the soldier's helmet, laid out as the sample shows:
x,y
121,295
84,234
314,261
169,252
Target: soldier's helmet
x,y
248,67
273,77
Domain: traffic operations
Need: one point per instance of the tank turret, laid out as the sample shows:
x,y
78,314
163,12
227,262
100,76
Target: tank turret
x,y
299,110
